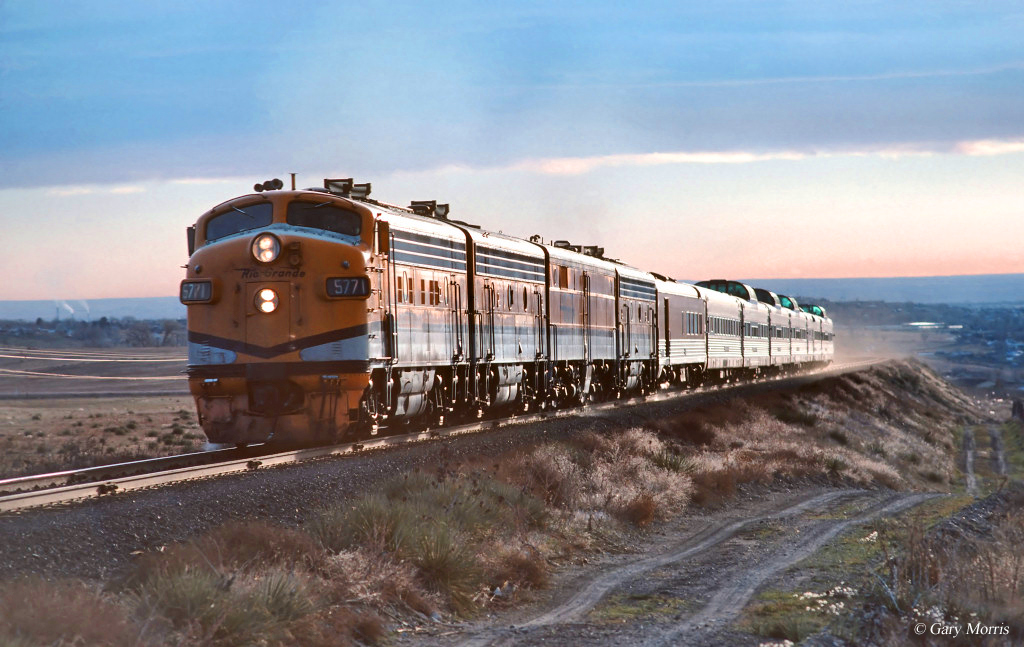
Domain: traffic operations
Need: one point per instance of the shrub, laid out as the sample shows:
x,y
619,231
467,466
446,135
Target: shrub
x,y
60,613
640,510
251,544
284,596
522,567
666,459
795,416
835,465
447,565
840,437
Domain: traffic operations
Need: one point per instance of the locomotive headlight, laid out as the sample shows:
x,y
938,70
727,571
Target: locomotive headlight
x,y
266,248
266,300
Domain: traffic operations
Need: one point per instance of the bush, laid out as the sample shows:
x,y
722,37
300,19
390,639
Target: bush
x,y
60,613
447,565
640,511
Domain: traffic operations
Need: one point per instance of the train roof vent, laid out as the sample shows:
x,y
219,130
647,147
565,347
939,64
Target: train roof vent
x,y
593,250
430,209
564,244
342,186
348,188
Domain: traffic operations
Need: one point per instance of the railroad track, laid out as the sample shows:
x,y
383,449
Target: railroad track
x,y
77,485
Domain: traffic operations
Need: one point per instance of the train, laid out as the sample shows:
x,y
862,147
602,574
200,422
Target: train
x,y
318,315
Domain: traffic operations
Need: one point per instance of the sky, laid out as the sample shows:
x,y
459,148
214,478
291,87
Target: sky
x,y
803,139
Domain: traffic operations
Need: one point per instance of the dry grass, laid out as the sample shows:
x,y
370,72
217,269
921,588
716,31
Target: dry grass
x,y
893,426
47,435
36,612
953,577
626,475
249,546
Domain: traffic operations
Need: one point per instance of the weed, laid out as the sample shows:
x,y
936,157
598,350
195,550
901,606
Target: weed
x,y
840,437
523,567
284,596
447,565
910,457
835,465
794,416
669,460
617,609
640,511
61,613
933,476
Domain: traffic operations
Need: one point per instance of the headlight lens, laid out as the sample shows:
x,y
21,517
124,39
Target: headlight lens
x,y
266,300
265,248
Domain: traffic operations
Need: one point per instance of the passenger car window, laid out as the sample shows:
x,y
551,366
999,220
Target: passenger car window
x,y
238,219
326,216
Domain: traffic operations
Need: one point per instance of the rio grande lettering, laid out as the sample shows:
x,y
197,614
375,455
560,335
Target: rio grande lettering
x,y
250,273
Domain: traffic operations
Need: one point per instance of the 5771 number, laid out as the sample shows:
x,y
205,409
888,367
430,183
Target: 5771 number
x,y
357,286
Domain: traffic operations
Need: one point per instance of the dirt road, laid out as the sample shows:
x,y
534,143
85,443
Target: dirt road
x,y
693,581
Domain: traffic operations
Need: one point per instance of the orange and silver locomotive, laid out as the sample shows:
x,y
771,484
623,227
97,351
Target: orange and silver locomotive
x,y
319,314
284,296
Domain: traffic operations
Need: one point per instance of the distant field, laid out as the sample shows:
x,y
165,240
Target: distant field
x,y
56,409
42,435
61,372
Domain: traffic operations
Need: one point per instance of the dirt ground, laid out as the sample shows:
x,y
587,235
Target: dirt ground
x,y
40,435
67,408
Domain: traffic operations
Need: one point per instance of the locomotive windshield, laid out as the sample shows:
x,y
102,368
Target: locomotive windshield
x,y
326,216
238,219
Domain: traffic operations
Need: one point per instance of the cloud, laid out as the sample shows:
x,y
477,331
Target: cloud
x,y
95,189
1015,66
983,147
582,165
579,165
194,181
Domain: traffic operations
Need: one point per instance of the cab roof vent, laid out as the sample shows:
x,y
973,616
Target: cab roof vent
x,y
430,209
346,187
564,244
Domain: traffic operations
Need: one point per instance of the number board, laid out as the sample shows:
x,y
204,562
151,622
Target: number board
x,y
349,286
196,291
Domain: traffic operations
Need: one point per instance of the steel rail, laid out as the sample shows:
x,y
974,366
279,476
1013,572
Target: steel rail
x,y
115,470
75,492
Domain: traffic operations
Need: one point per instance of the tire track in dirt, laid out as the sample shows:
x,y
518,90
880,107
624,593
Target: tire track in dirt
x,y
998,453
733,594
728,597
968,458
706,538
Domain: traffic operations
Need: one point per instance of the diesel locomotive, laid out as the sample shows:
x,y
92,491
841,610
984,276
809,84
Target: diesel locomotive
x,y
321,314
